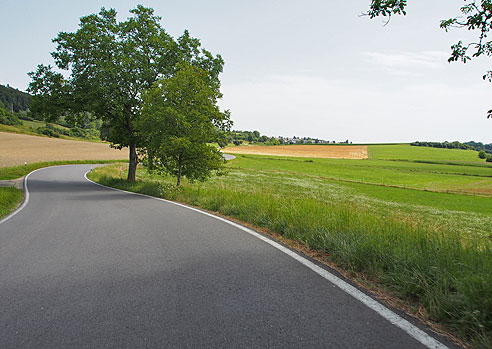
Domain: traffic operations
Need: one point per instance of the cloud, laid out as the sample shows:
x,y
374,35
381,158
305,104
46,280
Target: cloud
x,y
408,63
303,105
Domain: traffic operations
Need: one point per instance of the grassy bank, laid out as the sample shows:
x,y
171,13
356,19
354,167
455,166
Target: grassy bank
x,y
20,171
438,261
10,198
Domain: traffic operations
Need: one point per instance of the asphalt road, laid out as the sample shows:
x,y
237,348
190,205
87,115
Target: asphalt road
x,y
87,266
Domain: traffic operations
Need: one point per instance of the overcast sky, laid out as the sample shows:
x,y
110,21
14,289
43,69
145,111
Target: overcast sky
x,y
300,68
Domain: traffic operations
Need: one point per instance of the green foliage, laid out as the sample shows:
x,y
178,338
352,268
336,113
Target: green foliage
x,y
387,8
7,118
110,64
482,154
15,99
180,116
48,131
237,137
446,145
10,198
478,146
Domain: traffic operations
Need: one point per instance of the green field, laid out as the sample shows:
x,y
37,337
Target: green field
x,y
407,152
434,177
431,248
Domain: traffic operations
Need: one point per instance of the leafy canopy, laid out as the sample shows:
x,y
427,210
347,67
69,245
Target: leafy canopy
x,y
180,117
108,66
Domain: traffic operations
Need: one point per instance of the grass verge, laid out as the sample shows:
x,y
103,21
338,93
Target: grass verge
x,y
20,171
10,199
442,274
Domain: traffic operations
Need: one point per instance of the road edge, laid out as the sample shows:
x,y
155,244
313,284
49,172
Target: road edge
x,y
24,202
395,319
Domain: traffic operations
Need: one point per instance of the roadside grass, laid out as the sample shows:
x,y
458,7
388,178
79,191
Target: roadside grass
x,y
20,171
10,198
438,261
403,174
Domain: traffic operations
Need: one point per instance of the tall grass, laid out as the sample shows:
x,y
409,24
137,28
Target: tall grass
x,y
449,276
10,198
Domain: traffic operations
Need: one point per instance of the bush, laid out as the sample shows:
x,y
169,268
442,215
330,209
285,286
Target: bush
x,y
482,154
47,131
8,119
489,159
77,132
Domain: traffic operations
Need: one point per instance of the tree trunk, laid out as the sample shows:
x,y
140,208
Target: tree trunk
x,y
150,156
179,171
132,166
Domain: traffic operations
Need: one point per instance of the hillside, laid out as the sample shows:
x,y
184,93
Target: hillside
x,y
20,148
13,99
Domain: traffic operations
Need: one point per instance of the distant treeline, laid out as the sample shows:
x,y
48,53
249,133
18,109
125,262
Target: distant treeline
x,y
13,99
237,137
478,146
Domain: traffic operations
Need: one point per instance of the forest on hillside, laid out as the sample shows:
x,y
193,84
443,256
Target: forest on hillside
x,y
14,100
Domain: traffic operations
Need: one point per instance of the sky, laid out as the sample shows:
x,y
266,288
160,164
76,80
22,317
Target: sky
x,y
311,68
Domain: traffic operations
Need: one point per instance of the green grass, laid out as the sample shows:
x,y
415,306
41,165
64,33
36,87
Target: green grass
x,y
20,171
29,128
10,198
446,201
432,257
412,153
404,174
34,124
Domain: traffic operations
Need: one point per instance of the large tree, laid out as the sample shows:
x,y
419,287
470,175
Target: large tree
x,y
475,16
109,65
180,118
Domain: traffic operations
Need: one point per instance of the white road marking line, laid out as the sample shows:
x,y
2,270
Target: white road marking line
x,y
371,303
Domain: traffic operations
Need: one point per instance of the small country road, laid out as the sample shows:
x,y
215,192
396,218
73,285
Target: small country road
x,y
87,266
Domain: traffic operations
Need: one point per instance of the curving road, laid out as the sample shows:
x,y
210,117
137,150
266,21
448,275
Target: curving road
x,y
86,266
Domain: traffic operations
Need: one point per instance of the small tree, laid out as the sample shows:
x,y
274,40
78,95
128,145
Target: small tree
x,y
180,117
482,154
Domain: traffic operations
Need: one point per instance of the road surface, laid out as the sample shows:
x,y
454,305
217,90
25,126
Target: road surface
x,y
86,266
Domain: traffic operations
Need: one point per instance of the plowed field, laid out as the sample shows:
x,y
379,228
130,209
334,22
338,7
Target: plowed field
x,y
15,149
306,151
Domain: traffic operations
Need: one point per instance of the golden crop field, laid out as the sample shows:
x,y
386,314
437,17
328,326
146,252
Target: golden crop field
x,y
15,149
307,151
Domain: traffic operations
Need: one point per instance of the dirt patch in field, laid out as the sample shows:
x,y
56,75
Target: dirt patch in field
x,y
15,149
304,151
